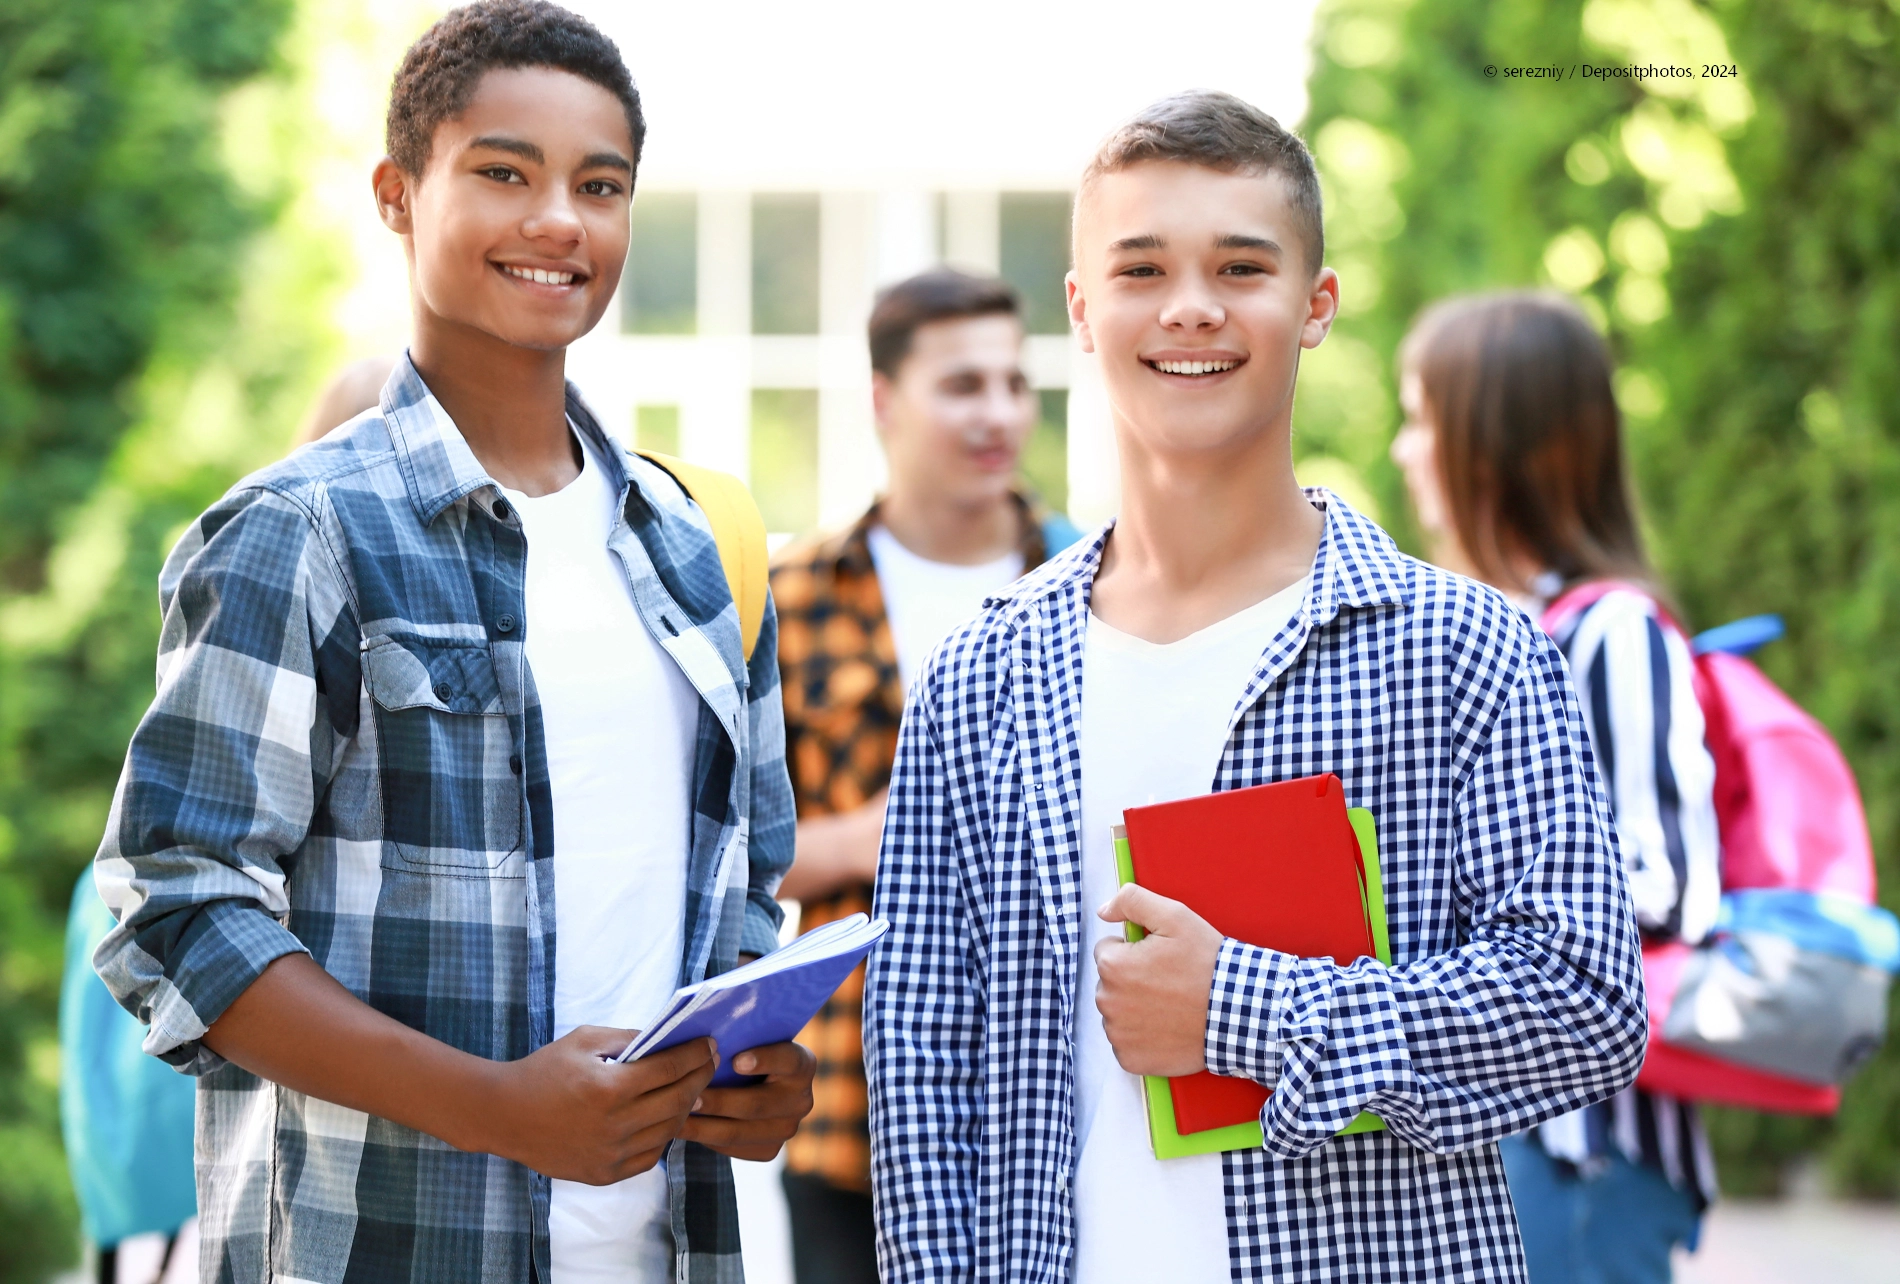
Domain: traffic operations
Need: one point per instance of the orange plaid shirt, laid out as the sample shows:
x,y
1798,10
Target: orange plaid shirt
x,y
843,700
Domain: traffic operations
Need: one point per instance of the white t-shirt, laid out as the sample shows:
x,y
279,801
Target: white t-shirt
x,y
619,718
925,600
1154,723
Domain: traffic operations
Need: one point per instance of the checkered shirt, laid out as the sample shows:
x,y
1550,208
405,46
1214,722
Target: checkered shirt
x,y
346,758
1517,990
843,700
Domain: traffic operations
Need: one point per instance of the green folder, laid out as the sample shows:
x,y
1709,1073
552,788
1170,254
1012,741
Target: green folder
x,y
1170,1144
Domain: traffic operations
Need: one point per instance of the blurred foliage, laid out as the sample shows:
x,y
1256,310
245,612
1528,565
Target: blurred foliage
x,y
163,305
1736,239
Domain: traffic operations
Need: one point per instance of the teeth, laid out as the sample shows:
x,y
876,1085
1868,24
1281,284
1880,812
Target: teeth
x,y
541,277
1194,367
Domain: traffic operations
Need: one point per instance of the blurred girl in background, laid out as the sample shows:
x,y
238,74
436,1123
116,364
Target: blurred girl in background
x,y
1512,449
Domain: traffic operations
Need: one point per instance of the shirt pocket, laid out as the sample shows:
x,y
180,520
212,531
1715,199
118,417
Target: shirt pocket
x,y
452,798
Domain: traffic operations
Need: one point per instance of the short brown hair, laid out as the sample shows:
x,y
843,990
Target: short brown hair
x,y
942,294
1530,442
440,71
1219,131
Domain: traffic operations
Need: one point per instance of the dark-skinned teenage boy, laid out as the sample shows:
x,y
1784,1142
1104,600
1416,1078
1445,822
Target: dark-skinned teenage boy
x,y
1230,629
456,768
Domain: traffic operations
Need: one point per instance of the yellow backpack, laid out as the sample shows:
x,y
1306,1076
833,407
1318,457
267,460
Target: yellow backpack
x,y
739,531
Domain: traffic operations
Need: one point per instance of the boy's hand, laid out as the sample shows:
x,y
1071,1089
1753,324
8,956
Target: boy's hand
x,y
1153,994
565,1112
753,1122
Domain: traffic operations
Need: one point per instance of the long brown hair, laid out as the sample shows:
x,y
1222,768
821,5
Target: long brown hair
x,y
1530,442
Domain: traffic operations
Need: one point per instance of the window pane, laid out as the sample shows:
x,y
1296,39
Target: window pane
x,y
785,264
1045,461
1034,251
660,294
657,428
785,457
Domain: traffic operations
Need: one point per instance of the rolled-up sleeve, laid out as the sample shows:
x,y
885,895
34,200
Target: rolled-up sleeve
x,y
1539,1012
222,774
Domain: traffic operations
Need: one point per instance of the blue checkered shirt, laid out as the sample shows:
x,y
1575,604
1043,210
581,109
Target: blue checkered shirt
x,y
1516,992
345,758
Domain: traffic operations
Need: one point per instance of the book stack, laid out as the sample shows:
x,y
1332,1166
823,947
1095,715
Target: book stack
x,y
1286,866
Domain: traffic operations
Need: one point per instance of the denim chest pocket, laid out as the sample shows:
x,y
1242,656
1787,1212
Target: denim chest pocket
x,y
452,799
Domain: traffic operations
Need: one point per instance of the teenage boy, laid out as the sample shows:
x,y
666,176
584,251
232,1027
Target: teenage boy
x,y
456,770
1230,630
858,612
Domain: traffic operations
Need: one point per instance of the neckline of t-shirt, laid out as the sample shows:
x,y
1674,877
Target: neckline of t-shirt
x,y
880,535
589,465
1279,607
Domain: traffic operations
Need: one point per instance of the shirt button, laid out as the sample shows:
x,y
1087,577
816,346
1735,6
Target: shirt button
x,y
442,692
506,624
514,763
501,510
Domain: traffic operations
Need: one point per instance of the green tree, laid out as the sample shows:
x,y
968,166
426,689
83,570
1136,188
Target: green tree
x,y
1735,238
147,333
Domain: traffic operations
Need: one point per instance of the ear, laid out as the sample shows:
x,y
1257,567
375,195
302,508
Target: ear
x,y
883,391
1322,307
394,191
1078,312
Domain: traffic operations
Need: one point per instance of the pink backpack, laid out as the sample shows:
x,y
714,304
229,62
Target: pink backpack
x,y
1788,996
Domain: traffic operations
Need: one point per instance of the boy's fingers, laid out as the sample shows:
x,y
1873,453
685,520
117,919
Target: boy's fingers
x,y
772,1059
1136,904
603,1040
658,1069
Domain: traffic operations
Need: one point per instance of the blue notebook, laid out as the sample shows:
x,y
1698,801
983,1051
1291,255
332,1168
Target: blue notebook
x,y
769,1000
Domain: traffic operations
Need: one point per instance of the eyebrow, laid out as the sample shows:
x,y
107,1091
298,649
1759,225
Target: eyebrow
x,y
513,146
1231,241
529,152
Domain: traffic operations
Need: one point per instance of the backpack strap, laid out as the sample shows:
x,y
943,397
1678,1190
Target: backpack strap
x,y
739,531
1572,603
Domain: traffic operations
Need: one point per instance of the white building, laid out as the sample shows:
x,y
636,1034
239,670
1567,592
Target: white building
x,y
800,157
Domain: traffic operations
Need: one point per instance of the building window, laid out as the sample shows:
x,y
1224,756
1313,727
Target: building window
x,y
1045,458
785,457
659,293
657,428
785,263
1033,230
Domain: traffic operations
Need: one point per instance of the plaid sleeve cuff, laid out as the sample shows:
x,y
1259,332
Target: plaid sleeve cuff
x,y
760,933
1244,1007
217,956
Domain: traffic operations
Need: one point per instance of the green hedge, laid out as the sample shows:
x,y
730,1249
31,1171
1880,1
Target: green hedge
x,y
125,241
1737,240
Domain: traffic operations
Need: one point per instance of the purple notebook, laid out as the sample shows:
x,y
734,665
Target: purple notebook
x,y
769,1000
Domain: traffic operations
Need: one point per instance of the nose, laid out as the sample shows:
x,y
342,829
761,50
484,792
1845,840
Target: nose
x,y
1192,305
553,218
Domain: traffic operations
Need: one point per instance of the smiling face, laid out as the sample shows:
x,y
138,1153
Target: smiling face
x,y
1192,286
956,413
517,228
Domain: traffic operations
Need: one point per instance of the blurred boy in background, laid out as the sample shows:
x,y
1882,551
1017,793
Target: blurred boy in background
x,y
858,613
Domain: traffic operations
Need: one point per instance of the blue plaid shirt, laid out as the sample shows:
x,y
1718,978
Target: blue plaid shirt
x,y
345,758
1517,989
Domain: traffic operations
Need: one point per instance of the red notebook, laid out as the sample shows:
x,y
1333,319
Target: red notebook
x,y
1275,866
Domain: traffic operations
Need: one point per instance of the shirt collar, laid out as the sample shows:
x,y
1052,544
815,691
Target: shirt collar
x,y
850,549
1357,565
434,458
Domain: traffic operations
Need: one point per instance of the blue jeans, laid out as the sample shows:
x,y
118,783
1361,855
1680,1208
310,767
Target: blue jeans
x,y
1616,1228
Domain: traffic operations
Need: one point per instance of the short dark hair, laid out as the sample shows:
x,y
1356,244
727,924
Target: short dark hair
x,y
1219,131
439,73
942,294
